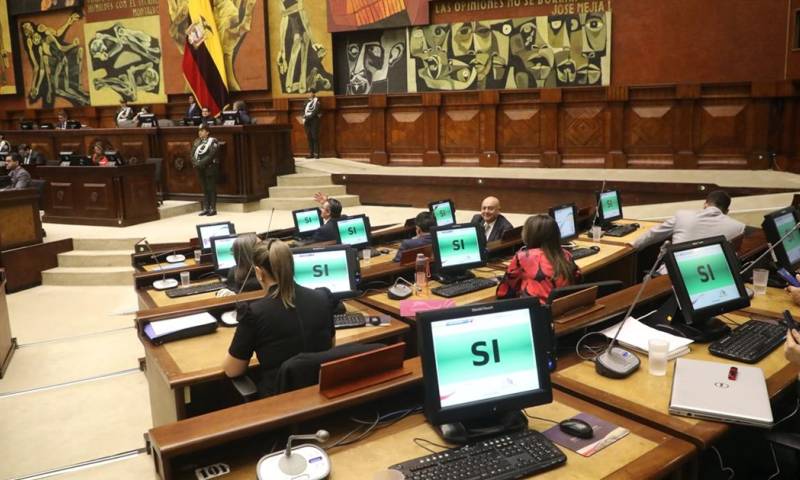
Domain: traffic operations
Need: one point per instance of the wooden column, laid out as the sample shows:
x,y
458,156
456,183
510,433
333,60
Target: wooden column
x,y
763,95
377,106
488,128
550,98
685,156
616,158
431,103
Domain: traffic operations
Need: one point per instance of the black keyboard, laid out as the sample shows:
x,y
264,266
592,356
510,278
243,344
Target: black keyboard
x,y
578,253
750,342
195,289
511,456
463,287
349,320
621,230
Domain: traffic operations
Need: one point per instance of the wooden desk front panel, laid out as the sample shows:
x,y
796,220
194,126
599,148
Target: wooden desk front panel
x,y
20,224
179,174
129,142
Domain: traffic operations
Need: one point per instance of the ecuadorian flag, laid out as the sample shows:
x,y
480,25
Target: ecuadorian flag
x,y
203,64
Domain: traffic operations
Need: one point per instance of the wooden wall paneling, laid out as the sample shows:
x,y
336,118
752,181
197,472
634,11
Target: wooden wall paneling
x,y
96,199
378,155
763,96
520,128
406,140
24,266
617,97
795,153
295,112
459,129
431,109
20,224
327,129
179,175
61,198
489,100
137,192
650,127
723,122
687,95
583,128
354,128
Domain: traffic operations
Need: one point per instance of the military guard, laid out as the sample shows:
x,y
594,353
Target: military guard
x,y
204,159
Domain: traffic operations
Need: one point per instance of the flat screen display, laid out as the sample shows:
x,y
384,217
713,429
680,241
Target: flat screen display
x,y
307,220
791,244
207,232
323,269
458,246
565,218
609,205
707,276
443,213
223,252
352,231
484,357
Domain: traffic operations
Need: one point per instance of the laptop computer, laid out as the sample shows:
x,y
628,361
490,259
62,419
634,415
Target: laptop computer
x,y
710,391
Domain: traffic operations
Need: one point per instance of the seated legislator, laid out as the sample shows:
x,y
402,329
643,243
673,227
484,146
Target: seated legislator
x,y
541,265
423,222
493,223
61,120
688,225
99,157
289,320
331,210
243,273
30,156
207,118
20,178
241,108
125,116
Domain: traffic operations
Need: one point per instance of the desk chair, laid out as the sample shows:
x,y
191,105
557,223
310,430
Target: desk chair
x,y
302,370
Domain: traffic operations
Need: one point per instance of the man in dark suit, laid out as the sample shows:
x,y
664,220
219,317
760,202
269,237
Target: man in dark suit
x,y
194,108
311,115
331,212
493,224
61,120
30,156
423,222
18,176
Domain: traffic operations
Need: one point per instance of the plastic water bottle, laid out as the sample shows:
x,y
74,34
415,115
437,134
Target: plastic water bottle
x,y
421,271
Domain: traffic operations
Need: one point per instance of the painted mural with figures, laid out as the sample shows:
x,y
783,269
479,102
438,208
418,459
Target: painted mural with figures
x,y
8,81
531,52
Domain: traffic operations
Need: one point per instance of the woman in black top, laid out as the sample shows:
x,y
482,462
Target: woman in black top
x,y
243,273
289,320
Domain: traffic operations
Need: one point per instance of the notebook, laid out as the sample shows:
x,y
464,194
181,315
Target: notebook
x,y
711,391
635,335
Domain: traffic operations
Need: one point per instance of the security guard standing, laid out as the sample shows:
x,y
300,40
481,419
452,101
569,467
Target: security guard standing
x,y
204,159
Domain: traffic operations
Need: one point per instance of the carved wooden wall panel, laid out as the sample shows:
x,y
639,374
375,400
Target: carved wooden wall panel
x,y
99,199
179,175
62,198
582,134
354,127
460,135
721,136
519,134
405,132
650,128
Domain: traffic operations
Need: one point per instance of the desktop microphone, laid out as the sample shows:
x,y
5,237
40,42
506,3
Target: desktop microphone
x,y
305,461
616,362
770,249
165,283
271,213
597,207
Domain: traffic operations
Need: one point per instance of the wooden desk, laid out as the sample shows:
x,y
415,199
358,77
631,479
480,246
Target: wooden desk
x,y
644,226
8,344
644,453
645,397
107,196
175,367
20,224
773,303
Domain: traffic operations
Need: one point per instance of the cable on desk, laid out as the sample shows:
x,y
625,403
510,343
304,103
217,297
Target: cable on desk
x,y
417,441
595,351
730,320
539,418
774,459
379,422
728,469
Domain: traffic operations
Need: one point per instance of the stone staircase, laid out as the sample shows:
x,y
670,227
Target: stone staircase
x,y
297,191
94,262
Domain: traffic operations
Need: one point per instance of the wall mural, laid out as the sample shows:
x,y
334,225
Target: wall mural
x,y
241,27
300,46
54,75
532,52
8,81
350,15
375,62
19,7
125,61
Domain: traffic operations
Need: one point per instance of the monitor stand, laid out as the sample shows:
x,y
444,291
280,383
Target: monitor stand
x,y
453,277
668,318
470,431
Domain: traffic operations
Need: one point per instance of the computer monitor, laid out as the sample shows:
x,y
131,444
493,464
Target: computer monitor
x,y
230,117
443,211
564,215
353,231
65,158
609,206
46,126
457,248
222,247
195,120
775,226
26,125
73,124
307,221
483,363
207,231
113,157
706,281
334,267
147,120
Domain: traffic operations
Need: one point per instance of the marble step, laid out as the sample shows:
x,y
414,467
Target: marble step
x,y
73,276
295,203
105,243
307,191
303,179
95,258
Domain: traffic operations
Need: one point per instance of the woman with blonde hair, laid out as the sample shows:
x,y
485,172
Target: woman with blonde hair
x,y
289,320
242,277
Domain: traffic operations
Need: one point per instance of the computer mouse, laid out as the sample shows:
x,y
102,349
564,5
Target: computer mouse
x,y
594,248
577,428
635,225
229,319
384,250
374,321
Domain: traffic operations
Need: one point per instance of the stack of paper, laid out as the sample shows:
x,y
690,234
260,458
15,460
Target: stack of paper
x,y
181,327
636,335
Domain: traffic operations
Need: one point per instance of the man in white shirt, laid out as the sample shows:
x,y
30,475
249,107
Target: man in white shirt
x,y
491,221
688,225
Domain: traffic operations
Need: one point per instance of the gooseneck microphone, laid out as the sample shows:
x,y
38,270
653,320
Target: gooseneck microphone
x,y
296,464
770,249
616,362
165,283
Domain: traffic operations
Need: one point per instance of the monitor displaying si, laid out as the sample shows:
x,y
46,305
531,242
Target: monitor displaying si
x,y
307,220
609,206
458,247
705,278
334,267
443,211
230,117
207,231
775,226
564,215
222,247
482,361
353,231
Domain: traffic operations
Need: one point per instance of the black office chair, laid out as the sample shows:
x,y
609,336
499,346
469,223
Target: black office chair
x,y
302,370
604,288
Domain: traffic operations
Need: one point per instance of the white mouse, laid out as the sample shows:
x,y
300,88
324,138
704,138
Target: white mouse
x,y
229,318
